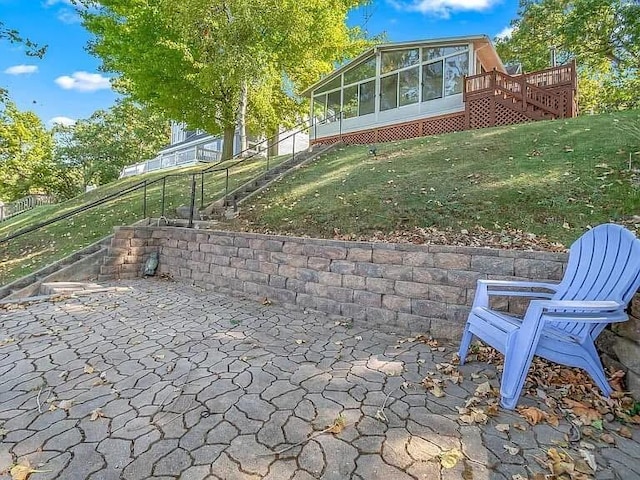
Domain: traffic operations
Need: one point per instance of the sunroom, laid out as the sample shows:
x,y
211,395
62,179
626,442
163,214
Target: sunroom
x,y
396,83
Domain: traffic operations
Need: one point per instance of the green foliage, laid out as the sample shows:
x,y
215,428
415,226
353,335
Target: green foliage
x,y
603,36
94,150
13,36
26,149
192,59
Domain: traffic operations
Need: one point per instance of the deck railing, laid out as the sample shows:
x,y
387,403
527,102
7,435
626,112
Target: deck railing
x,y
24,204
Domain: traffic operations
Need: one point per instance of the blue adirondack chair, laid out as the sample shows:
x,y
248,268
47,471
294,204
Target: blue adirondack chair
x,y
602,275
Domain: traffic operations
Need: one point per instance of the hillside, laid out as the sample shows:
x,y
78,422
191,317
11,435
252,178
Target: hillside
x,y
537,185
28,253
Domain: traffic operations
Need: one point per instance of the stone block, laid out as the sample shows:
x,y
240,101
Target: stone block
x,y
340,294
538,269
135,259
225,250
240,242
397,272
330,278
262,255
295,285
287,271
353,311
387,256
306,300
343,267
223,239
367,299
234,262
360,255
428,308
418,259
493,265
289,259
200,257
281,295
183,244
316,289
353,281
328,306
292,247
120,243
276,281
138,242
458,313
430,275
414,324
268,267
412,289
185,272
251,276
198,266
380,285
396,303
464,279
320,264
223,271
446,330
628,352
307,275
224,261
130,268
380,316
124,232
368,269
332,253
629,329
448,294
452,261
245,253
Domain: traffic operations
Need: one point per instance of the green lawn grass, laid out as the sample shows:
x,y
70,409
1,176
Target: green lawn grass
x,y
32,251
551,178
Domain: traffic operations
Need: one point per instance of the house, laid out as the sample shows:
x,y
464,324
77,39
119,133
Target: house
x,y
411,89
189,147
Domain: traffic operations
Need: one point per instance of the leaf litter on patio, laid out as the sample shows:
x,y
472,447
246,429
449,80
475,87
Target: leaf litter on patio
x,y
564,392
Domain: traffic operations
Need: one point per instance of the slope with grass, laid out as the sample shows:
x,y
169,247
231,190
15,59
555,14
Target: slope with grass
x,y
545,179
32,251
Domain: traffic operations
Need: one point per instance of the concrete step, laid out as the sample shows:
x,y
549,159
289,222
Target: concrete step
x,y
67,288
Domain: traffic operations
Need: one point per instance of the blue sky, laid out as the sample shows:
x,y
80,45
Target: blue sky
x,y
67,85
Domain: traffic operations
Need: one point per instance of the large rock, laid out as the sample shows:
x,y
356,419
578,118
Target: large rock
x,y
183,211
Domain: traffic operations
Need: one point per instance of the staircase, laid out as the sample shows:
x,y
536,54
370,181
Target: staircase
x,y
258,184
496,98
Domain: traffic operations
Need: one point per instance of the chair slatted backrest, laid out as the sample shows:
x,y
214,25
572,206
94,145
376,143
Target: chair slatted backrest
x,y
604,264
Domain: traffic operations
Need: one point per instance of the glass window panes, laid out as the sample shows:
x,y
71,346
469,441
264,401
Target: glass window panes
x,y
319,104
429,53
361,72
367,97
432,81
350,102
454,70
333,105
399,59
389,92
335,83
408,84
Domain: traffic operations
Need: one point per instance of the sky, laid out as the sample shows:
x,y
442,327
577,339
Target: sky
x,y
67,83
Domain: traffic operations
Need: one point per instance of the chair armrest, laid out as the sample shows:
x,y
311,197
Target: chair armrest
x,y
596,311
486,284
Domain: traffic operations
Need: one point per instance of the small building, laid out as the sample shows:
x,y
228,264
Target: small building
x,y
411,89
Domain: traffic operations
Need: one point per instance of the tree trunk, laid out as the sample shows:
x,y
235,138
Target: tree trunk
x,y
274,136
242,119
228,141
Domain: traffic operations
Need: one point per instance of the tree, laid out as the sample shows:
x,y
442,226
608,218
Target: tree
x,y
26,149
194,59
603,36
94,150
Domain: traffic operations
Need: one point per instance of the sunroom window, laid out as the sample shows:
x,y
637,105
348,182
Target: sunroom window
x,y
443,71
359,91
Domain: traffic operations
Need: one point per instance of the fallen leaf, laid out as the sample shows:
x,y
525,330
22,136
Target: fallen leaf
x,y
483,389
52,407
437,392
608,438
65,404
511,450
22,472
96,414
88,369
502,427
533,415
450,458
589,458
266,301
159,356
625,432
338,425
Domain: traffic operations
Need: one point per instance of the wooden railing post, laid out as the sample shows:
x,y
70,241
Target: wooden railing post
x,y
523,92
492,108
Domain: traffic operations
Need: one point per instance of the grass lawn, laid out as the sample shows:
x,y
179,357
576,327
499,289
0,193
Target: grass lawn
x,y
32,251
551,179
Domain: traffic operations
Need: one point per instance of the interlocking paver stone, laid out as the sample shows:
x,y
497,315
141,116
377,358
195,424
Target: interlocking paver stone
x,y
191,384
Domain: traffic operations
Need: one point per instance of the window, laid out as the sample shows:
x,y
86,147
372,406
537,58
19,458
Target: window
x,y
408,85
367,97
361,72
399,59
350,102
432,81
319,106
389,92
335,83
333,105
438,52
455,69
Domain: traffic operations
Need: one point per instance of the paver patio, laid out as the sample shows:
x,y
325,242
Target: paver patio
x,y
163,380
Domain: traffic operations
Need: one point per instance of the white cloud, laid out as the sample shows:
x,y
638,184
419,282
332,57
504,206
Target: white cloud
x,y
505,33
441,8
50,3
21,69
66,121
68,16
83,82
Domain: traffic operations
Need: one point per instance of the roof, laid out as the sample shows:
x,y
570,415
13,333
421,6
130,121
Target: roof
x,y
488,56
194,138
